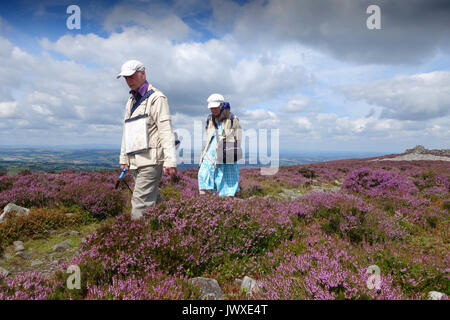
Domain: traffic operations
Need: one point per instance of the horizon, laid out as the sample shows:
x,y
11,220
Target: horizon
x,y
117,148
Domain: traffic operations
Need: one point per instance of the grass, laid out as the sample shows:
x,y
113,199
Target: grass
x,y
42,248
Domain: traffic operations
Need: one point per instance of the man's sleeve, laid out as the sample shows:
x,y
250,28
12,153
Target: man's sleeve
x,y
164,123
124,159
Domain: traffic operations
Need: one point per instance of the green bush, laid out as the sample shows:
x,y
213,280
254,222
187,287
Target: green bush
x,y
307,173
39,222
446,205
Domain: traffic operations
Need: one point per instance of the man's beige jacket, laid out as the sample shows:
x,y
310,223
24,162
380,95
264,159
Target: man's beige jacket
x,y
161,140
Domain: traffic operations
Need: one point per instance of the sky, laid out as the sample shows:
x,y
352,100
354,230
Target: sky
x,y
311,69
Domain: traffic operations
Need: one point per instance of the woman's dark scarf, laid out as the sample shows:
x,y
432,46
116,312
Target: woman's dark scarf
x,y
225,113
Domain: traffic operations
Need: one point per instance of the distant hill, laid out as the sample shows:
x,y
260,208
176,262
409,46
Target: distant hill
x,y
13,160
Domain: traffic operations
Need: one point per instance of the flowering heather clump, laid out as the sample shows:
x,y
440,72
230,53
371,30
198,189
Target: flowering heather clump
x,y
323,270
92,191
432,184
352,218
148,287
374,182
250,188
190,236
26,286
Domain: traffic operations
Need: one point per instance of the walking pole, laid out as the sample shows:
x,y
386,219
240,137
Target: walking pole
x,y
121,179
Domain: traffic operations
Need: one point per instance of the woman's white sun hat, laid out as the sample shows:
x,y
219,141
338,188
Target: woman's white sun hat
x,y
215,100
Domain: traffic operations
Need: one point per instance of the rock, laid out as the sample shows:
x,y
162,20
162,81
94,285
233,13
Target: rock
x,y
69,233
36,263
249,285
20,211
291,194
209,288
23,255
61,246
69,214
238,282
3,272
415,157
435,295
417,149
7,256
18,246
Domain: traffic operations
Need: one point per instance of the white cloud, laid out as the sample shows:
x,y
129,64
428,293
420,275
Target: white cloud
x,y
303,123
8,109
298,103
339,28
187,72
169,26
44,98
417,97
258,118
41,110
273,74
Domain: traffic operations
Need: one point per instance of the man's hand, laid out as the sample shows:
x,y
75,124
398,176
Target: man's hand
x,y
170,170
122,166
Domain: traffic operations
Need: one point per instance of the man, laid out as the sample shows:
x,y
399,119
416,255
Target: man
x,y
150,106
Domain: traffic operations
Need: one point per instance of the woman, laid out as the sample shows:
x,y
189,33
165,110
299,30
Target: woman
x,y
220,125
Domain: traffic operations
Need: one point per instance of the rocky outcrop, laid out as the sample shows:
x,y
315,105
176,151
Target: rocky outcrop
x,y
18,246
3,272
61,246
435,295
69,233
419,149
250,286
419,153
11,207
209,288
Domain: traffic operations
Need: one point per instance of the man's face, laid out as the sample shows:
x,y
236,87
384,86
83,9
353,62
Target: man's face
x,y
215,111
136,80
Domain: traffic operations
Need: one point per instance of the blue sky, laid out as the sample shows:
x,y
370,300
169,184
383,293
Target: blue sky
x,y
311,69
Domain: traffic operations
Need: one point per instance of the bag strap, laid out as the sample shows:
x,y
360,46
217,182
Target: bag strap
x,y
137,103
209,118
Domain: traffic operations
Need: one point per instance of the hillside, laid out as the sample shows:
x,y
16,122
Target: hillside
x,y
311,231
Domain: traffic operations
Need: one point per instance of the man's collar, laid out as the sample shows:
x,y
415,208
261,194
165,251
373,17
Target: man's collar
x,y
141,91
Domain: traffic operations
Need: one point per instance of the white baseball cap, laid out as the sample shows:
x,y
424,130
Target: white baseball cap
x,y
130,67
215,100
